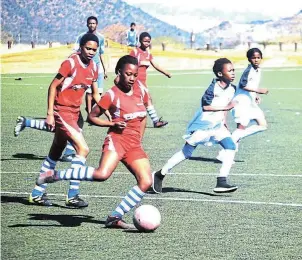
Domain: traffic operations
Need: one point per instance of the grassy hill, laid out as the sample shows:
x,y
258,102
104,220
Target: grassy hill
x,y
55,20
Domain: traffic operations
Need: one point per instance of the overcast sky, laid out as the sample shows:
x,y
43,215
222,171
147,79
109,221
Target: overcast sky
x,y
274,9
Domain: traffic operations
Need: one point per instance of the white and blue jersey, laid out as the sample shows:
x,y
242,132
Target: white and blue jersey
x,y
247,109
250,78
132,38
215,95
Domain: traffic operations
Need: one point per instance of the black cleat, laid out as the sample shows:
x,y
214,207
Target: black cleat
x,y
223,187
76,202
157,181
40,200
116,222
160,123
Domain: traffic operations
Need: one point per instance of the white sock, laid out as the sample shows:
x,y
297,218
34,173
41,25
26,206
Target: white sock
x,y
227,163
172,162
237,134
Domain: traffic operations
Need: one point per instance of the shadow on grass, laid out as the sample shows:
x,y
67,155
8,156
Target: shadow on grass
x,y
24,201
63,220
204,159
27,156
171,189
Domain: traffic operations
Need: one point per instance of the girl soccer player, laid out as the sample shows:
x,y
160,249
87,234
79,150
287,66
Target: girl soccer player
x,y
65,94
248,100
145,59
208,124
126,103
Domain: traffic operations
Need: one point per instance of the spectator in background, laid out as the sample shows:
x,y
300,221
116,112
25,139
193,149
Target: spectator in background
x,y
132,36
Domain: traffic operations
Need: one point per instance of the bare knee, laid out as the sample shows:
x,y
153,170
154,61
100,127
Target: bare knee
x,y
101,175
145,182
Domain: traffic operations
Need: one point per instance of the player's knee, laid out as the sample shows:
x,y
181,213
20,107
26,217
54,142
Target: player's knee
x,y
228,143
188,150
100,175
145,183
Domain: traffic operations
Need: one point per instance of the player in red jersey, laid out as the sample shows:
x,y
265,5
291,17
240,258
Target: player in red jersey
x,y
145,59
126,103
65,95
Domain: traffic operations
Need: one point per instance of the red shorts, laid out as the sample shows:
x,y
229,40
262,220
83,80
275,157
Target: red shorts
x,y
128,149
67,122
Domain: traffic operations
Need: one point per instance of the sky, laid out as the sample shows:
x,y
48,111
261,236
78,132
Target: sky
x,y
272,8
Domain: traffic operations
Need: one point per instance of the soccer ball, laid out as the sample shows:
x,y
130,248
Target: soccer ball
x,y
146,218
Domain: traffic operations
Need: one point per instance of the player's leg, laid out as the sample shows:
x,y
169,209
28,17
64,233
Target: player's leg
x,y
192,141
157,122
37,195
138,164
26,122
224,138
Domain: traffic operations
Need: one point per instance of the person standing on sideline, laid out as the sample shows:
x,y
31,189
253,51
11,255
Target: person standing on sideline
x,y
92,23
145,59
132,36
248,100
76,74
209,123
125,101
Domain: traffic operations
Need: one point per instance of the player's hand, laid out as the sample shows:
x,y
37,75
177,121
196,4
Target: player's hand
x,y
105,75
169,75
258,100
120,125
264,91
231,105
50,123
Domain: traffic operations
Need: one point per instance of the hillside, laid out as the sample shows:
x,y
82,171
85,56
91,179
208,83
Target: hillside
x,y
55,20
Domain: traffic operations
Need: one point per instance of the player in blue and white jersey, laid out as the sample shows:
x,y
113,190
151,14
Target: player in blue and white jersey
x,y
209,124
132,36
247,99
92,23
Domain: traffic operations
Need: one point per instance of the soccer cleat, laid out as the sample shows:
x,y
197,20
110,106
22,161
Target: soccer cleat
x,y
76,202
20,126
40,200
157,181
160,123
223,187
117,222
67,157
46,177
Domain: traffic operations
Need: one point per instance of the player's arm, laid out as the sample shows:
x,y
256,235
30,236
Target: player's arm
x,y
52,92
256,90
161,70
218,108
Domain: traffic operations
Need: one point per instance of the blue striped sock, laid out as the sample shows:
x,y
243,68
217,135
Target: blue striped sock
x,y
152,113
48,164
36,124
133,197
74,185
69,149
81,173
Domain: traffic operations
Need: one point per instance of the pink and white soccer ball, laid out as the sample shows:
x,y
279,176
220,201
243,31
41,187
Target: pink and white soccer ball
x,y
146,218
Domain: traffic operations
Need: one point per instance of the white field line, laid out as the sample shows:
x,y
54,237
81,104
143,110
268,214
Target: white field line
x,y
193,174
147,197
163,86
198,72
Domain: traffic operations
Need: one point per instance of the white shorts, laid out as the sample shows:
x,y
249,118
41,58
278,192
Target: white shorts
x,y
246,110
204,136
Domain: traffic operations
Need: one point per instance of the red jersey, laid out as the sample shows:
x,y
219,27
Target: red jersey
x,y
144,58
127,108
78,78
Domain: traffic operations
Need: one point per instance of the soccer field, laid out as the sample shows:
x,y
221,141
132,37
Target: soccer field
x,y
261,220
